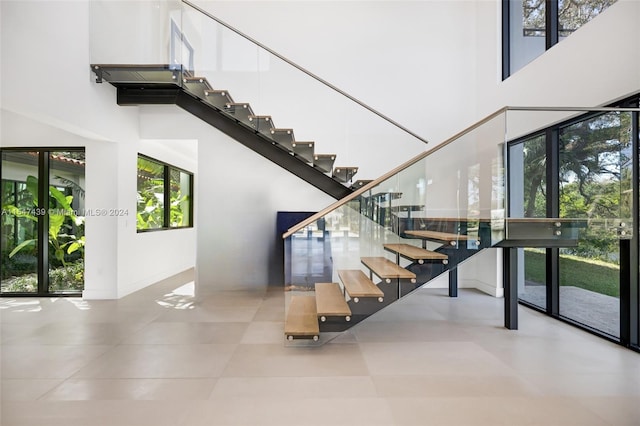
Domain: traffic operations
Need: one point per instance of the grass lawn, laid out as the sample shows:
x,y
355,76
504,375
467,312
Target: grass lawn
x,y
591,275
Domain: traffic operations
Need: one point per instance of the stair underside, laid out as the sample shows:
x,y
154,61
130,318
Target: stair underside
x,y
160,84
414,253
444,237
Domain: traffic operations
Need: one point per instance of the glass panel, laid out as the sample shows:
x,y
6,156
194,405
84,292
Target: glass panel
x,y
20,214
447,204
66,221
527,199
434,213
575,13
527,38
595,184
150,211
287,106
180,186
133,32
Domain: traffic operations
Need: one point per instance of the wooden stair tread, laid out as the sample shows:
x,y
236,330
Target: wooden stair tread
x,y
330,300
217,92
384,268
440,236
357,284
302,318
415,253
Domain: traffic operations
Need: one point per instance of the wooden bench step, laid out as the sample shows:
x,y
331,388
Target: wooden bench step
x,y
384,268
357,284
330,301
414,253
445,237
302,318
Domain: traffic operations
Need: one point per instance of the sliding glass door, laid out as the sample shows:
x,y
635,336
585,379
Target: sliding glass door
x,y
583,170
42,232
19,233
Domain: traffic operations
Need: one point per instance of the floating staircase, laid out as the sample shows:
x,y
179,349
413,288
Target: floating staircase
x,y
162,84
381,281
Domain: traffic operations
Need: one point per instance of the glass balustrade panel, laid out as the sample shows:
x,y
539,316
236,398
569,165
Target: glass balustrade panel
x,y
135,32
448,204
287,106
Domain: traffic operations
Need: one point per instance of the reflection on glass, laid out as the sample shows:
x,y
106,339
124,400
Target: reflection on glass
x,y
528,188
258,88
572,14
528,24
150,211
180,187
403,232
527,32
66,221
595,183
533,18
19,233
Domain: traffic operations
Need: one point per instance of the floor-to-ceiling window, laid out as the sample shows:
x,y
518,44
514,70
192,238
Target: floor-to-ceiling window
x,y
532,26
528,192
42,232
584,171
595,184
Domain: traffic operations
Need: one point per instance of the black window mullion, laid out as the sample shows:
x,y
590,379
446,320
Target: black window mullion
x,y
506,39
553,210
43,222
167,197
634,261
551,23
191,197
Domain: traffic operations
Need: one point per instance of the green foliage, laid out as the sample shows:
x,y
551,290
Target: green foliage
x,y
65,278
65,236
595,179
599,277
151,207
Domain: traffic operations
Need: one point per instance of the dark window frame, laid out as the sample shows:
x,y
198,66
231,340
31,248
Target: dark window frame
x,y
167,196
42,269
629,299
551,31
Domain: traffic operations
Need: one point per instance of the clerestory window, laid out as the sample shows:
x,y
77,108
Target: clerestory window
x,y
530,27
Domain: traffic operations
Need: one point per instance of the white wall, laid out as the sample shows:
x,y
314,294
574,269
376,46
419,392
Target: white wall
x,y
433,66
411,60
49,98
595,65
238,195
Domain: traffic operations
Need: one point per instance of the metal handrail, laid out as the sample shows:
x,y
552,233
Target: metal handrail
x,y
304,70
425,154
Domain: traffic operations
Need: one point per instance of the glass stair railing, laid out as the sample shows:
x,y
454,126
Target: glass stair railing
x,y
422,219
232,82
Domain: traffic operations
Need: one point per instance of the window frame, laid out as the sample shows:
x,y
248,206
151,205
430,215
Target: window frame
x,y
167,168
630,272
551,32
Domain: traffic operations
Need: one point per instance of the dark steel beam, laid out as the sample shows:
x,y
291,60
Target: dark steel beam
x,y
510,284
263,146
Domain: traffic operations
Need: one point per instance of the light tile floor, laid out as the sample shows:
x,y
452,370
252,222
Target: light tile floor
x,y
164,357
